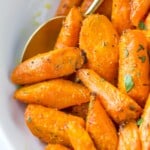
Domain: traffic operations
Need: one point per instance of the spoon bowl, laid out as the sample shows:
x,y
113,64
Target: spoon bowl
x,y
44,38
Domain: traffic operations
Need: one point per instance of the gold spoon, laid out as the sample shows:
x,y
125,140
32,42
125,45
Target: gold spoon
x,y
44,38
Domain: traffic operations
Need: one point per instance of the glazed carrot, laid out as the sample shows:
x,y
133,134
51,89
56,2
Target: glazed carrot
x,y
69,34
129,138
65,6
146,30
48,65
121,15
49,124
56,147
100,126
139,8
79,137
118,105
145,126
99,40
57,93
134,65
79,110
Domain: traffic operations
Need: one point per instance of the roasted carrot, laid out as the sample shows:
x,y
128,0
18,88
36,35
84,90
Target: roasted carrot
x,y
144,128
56,147
121,15
134,65
65,6
129,138
99,40
139,8
49,124
69,34
100,127
146,29
118,105
57,93
48,65
79,137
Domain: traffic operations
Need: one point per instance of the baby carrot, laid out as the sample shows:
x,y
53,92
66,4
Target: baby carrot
x,y
100,126
144,124
57,93
134,65
49,124
69,33
129,138
53,64
118,105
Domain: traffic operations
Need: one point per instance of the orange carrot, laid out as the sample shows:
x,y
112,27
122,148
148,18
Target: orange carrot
x,y
56,93
100,126
139,8
129,138
99,40
53,64
56,147
65,6
121,15
69,34
118,105
134,65
49,124
79,137
144,128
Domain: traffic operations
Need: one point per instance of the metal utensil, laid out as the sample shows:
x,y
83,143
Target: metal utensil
x,y
44,38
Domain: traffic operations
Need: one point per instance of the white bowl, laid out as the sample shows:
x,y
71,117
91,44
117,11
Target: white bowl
x,y
19,18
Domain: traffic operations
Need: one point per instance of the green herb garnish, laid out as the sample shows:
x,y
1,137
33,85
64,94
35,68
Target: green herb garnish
x,y
142,58
141,47
29,120
139,121
142,25
129,84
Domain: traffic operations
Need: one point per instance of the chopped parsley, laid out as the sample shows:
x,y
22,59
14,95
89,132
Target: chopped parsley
x,y
139,121
142,25
142,58
29,120
128,81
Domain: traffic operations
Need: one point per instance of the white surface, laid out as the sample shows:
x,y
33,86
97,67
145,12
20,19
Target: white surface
x,y
18,19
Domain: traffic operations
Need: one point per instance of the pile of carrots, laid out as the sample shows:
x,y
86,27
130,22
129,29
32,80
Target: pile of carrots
x,y
92,91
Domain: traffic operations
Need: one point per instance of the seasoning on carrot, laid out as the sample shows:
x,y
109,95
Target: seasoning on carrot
x,y
121,15
118,105
100,127
134,65
139,8
57,93
129,138
69,33
144,124
79,137
99,40
53,64
56,147
65,6
49,124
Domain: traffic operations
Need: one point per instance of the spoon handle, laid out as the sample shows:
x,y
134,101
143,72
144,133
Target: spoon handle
x,y
95,4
